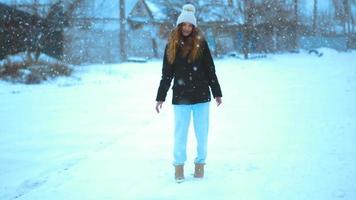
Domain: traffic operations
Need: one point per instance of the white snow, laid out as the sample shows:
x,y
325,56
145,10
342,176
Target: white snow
x,y
286,130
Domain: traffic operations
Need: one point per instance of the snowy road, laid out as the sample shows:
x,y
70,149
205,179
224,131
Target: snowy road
x,y
286,130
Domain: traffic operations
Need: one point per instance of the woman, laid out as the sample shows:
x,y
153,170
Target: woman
x,y
188,61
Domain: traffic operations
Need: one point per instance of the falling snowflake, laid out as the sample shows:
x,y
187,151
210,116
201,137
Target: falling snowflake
x,y
180,82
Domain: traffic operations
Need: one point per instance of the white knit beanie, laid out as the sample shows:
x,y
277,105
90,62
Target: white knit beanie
x,y
187,15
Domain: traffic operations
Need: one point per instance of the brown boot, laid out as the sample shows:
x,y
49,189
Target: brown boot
x,y
199,170
179,173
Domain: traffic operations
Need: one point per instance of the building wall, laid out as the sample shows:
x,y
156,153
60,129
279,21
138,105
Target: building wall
x,y
91,46
140,43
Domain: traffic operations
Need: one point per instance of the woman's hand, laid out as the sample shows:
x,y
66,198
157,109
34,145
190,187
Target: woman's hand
x,y
218,101
159,106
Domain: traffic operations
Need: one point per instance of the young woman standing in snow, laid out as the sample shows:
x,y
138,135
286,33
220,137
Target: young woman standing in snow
x,y
188,61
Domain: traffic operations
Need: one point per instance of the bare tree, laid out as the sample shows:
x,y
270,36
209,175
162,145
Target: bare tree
x,y
344,15
352,4
123,56
74,4
35,7
230,3
249,13
347,21
315,16
296,24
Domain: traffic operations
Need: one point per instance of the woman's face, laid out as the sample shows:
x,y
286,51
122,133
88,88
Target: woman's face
x,y
187,29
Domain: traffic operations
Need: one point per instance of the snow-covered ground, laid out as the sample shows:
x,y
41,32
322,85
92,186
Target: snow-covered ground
x,y
286,130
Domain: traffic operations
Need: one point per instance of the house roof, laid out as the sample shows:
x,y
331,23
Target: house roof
x,y
150,11
168,11
158,10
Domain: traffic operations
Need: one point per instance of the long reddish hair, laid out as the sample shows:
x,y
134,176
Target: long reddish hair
x,y
192,47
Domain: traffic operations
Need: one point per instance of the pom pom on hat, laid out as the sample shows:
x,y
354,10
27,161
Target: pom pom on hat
x,y
187,15
189,8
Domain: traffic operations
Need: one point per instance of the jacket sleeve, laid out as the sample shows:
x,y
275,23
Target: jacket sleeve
x,y
210,71
166,79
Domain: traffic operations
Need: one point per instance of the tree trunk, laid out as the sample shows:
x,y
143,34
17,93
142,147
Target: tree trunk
x,y
35,6
315,17
155,47
123,56
296,25
347,22
352,3
246,39
229,3
247,28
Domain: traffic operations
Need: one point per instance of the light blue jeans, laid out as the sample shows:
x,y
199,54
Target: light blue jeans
x,y
182,114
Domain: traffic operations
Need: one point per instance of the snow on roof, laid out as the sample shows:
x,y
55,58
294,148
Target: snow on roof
x,y
160,12
150,10
157,9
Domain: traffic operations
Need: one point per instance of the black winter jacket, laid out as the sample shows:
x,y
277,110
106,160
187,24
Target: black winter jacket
x,y
191,80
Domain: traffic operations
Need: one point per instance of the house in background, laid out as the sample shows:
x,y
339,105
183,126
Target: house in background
x,y
93,32
149,24
95,26
222,25
151,21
